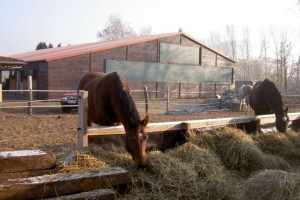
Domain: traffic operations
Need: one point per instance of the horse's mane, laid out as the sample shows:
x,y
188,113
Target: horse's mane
x,y
128,107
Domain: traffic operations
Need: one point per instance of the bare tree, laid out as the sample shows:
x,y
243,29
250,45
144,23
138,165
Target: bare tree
x,y
275,37
231,40
245,50
264,46
146,30
115,29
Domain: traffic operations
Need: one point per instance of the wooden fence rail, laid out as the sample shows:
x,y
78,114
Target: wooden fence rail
x,y
84,131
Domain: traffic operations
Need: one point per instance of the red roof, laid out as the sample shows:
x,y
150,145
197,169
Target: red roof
x,y
75,50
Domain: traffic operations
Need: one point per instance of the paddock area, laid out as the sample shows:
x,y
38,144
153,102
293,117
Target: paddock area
x,y
216,164
220,163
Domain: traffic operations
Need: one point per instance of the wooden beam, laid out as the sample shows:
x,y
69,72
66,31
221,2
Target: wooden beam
x,y
177,125
82,118
101,194
40,187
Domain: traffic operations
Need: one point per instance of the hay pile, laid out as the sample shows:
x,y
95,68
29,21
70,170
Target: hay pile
x,y
236,149
223,164
283,145
273,184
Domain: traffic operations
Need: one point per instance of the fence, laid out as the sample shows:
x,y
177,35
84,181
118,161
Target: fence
x,y
84,131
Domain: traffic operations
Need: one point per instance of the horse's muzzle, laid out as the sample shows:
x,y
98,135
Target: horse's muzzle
x,y
141,167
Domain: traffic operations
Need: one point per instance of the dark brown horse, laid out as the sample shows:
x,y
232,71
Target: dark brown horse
x,y
266,99
110,103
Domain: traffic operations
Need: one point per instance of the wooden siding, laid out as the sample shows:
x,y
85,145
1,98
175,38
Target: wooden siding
x,y
143,52
223,62
208,58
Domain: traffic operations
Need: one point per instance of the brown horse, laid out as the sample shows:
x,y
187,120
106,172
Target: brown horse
x,y
110,103
266,99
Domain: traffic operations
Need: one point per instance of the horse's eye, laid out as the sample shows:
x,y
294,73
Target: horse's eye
x,y
141,136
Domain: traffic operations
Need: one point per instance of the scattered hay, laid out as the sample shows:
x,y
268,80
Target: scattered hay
x,y
273,184
112,158
83,162
236,149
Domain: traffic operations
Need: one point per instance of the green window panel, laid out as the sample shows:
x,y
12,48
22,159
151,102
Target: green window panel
x,y
172,53
158,72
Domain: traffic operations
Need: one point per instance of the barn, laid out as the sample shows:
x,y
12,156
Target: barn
x,y
175,59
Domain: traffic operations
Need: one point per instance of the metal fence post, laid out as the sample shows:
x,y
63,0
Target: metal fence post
x,y
168,99
82,118
146,98
29,85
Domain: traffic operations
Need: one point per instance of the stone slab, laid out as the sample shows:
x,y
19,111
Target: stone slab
x,y
54,185
26,160
101,194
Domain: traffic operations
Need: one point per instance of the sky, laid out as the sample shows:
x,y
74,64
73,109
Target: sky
x,y
25,23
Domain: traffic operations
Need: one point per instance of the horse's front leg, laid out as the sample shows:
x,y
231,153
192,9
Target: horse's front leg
x,y
241,103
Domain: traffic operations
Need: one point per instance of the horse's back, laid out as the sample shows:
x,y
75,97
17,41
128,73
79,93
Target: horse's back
x,y
261,95
103,96
86,82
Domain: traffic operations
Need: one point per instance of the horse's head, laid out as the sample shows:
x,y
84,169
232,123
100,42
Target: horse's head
x,y
136,142
282,121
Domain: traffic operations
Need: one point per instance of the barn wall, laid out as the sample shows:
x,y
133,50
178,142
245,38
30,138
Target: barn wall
x,y
223,62
146,51
208,58
189,42
65,73
97,58
172,40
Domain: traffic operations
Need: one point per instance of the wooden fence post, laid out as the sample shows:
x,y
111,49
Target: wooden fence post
x,y
168,99
179,96
156,86
82,118
215,90
0,92
29,85
146,98
200,90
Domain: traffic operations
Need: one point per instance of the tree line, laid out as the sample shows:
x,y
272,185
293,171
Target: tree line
x,y
276,58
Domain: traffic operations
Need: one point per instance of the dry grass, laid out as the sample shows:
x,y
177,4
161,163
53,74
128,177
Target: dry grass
x,y
273,184
82,162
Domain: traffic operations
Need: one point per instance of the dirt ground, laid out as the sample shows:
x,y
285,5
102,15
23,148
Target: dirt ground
x,y
55,130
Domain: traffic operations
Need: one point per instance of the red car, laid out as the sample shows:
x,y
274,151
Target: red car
x,y
69,98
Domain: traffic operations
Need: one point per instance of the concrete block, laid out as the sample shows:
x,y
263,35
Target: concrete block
x,y
26,160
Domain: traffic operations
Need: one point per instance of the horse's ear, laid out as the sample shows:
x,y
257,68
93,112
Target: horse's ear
x,y
145,121
286,109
